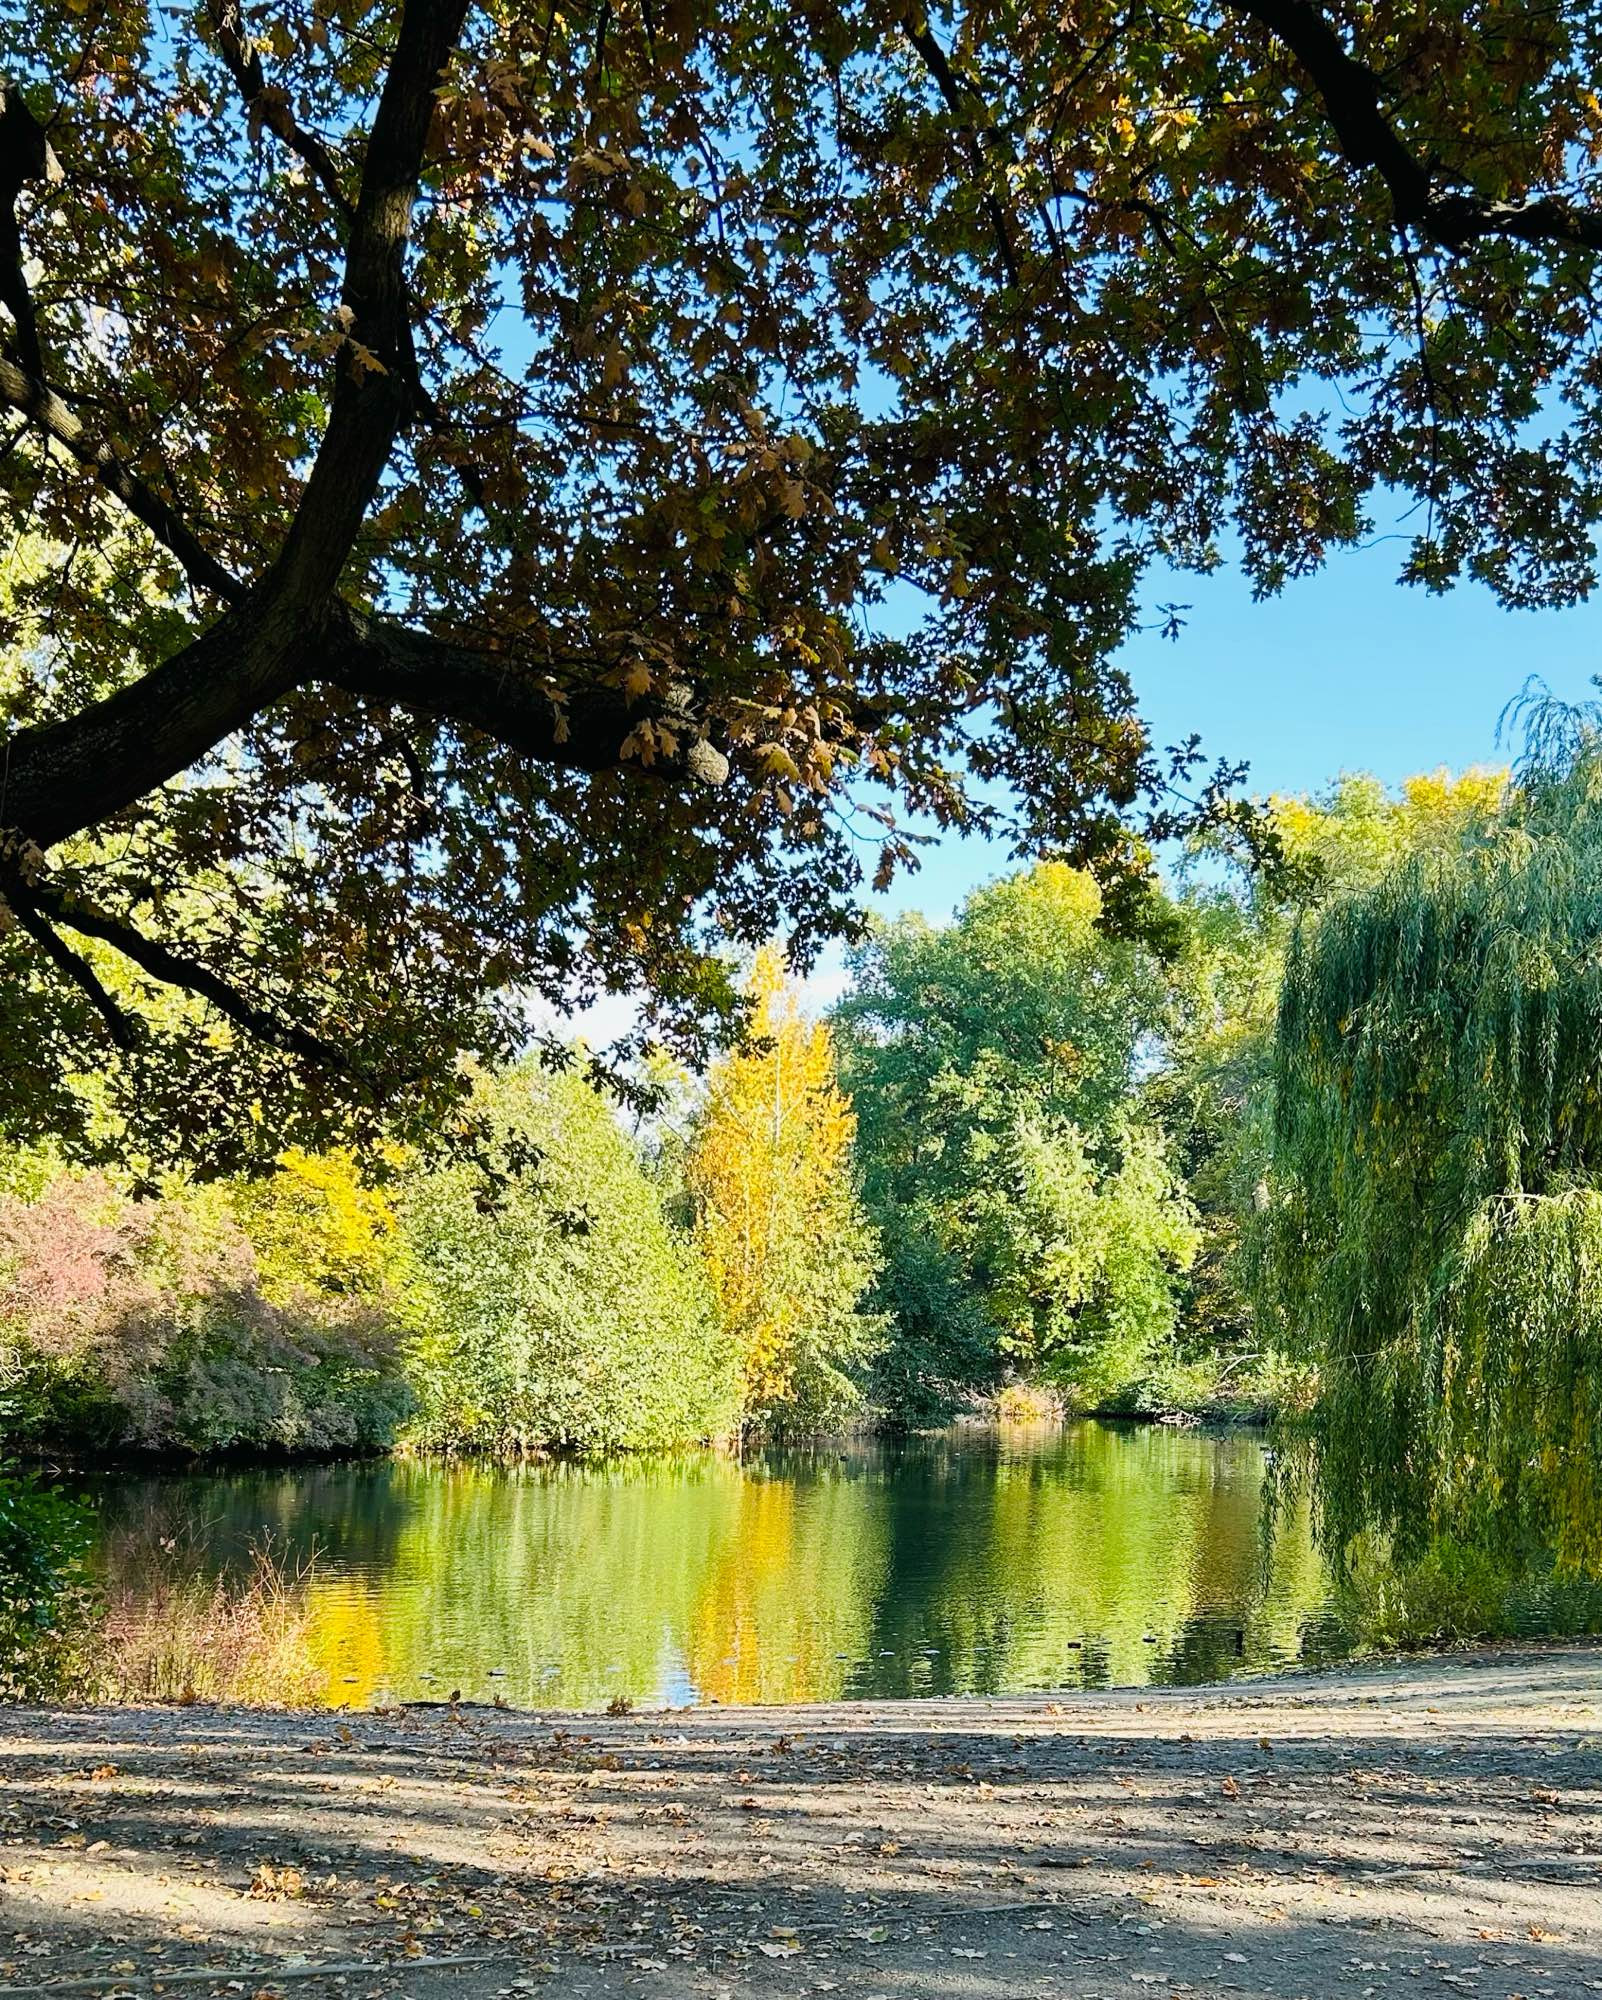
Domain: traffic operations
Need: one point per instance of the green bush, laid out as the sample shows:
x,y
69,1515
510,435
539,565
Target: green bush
x,y
571,1315
46,1599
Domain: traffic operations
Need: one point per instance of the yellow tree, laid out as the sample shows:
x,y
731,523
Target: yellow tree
x,y
777,1213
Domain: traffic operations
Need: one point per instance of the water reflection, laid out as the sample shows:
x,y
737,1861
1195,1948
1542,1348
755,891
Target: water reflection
x,y
972,1562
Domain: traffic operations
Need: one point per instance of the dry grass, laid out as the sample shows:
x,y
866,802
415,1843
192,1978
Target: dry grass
x,y
1028,1403
174,1631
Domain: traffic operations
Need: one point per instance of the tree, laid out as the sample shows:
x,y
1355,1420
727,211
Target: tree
x,y
1435,1223
1030,1217
570,1314
1213,1091
778,1217
476,447
315,1228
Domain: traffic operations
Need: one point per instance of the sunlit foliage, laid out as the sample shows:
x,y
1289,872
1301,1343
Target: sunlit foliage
x,y
1214,1089
1030,1219
568,1312
1435,1221
315,1226
778,1219
149,1324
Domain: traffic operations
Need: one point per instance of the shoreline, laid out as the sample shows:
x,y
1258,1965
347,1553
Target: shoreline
x,y
1375,1828
1345,1678
142,1462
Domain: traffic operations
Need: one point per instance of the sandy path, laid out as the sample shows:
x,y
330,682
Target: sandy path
x,y
1429,1828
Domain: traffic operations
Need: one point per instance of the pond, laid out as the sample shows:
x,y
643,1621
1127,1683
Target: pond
x,y
973,1561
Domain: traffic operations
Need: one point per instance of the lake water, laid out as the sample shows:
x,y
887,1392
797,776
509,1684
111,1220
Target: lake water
x,y
970,1562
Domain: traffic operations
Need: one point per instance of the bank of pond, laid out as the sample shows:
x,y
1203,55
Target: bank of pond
x,y
972,1561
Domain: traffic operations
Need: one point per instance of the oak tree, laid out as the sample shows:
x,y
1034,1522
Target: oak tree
x,y
515,499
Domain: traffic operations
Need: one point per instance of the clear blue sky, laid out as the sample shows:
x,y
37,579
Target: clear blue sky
x,y
1346,671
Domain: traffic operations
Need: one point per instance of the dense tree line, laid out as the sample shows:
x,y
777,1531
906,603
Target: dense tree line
x,y
1318,1143
1023,1154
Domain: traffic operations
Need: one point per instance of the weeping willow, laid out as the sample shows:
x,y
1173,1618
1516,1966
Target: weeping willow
x,y
1433,1230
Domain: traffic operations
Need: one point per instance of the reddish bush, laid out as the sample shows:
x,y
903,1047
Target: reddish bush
x,y
143,1323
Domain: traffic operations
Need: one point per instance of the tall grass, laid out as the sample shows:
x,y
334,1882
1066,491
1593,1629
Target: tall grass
x,y
175,1630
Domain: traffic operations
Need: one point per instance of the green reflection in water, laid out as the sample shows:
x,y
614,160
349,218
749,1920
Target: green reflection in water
x,y
968,1562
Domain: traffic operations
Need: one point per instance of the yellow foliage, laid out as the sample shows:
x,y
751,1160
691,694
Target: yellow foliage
x,y
315,1227
1360,828
1433,797
773,1155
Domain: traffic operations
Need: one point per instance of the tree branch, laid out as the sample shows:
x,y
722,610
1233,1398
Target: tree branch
x,y
171,968
49,414
61,777
268,106
961,101
376,385
500,695
1352,95
67,962
25,156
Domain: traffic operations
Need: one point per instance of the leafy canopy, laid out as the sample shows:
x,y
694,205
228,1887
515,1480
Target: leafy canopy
x,y
1435,1216
573,1315
778,1219
1214,1089
1030,1216
522,497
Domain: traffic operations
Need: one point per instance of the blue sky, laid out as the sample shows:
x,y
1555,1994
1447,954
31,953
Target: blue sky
x,y
1346,671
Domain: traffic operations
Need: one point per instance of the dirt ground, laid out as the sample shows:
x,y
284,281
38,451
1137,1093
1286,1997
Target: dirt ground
x,y
1426,1828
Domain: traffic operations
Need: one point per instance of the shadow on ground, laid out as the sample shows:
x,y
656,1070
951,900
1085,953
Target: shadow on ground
x,y
1427,1828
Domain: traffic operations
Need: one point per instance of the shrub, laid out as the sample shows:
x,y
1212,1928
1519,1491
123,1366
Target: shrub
x,y
571,1315
46,1599
142,1324
1028,1403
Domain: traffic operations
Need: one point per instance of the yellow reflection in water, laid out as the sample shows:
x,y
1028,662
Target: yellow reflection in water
x,y
788,1604
966,1562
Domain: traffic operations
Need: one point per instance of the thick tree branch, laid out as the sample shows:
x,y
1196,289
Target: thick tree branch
x,y
1353,97
25,156
1457,219
267,106
67,962
376,386
49,414
497,694
64,776
61,777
